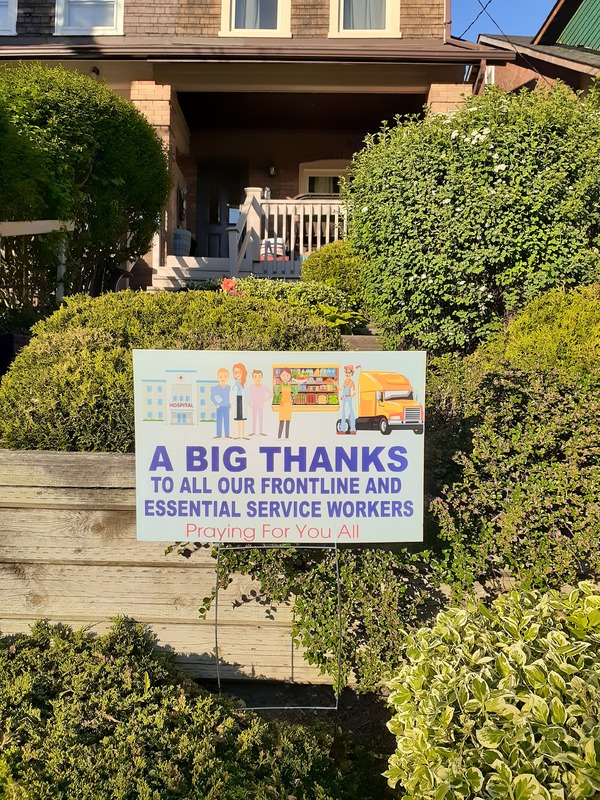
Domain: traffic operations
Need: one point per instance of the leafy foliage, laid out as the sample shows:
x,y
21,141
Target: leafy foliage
x,y
461,220
337,265
90,143
502,702
560,330
381,593
71,388
514,434
528,496
22,174
91,718
327,302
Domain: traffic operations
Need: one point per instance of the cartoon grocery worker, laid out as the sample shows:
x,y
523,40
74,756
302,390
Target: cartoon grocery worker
x,y
240,373
286,389
259,394
220,397
347,395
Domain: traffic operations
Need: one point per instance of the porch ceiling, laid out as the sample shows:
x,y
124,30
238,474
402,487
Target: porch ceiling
x,y
293,111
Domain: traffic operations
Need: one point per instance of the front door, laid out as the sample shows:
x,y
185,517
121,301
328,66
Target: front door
x,y
220,187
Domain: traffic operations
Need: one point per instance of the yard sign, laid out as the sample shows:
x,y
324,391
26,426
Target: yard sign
x,y
279,447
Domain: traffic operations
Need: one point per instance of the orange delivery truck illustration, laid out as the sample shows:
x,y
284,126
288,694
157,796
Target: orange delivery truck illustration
x,y
386,402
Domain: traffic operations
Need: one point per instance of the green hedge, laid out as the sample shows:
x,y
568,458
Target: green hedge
x,y
71,388
463,219
514,430
92,718
334,306
501,702
338,266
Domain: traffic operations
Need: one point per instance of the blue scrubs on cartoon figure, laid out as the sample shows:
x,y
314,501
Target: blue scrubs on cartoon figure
x,y
347,407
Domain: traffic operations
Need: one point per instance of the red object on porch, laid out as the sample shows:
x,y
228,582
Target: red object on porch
x,y
273,250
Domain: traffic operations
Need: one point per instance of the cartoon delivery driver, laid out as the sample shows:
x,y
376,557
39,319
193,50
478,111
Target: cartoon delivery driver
x,y
347,395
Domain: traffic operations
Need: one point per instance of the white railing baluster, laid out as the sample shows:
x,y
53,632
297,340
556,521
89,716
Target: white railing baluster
x,y
301,225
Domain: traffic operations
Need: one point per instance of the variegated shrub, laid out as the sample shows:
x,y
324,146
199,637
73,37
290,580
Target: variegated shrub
x,y
502,702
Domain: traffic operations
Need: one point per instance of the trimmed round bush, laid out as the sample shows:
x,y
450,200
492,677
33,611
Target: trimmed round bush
x,y
71,388
338,266
91,718
501,702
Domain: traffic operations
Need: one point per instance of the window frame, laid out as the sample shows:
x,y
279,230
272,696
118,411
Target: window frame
x,y
11,29
391,30
62,29
282,31
324,168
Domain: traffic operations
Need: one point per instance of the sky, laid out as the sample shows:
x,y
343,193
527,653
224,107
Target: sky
x,y
515,17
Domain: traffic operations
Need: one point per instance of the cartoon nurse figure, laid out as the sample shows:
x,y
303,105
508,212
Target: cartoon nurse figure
x,y
347,422
240,373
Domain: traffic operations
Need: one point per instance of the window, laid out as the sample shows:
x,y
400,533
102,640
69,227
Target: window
x,y
255,18
89,17
364,18
8,17
321,177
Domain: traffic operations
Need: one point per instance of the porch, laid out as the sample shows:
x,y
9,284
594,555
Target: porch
x,y
266,237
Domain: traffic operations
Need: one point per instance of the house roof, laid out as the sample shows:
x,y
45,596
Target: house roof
x,y
574,23
180,49
578,59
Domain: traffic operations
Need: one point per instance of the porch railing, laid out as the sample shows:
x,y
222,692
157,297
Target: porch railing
x,y
274,236
270,238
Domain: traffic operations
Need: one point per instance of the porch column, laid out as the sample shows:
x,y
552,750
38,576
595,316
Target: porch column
x,y
158,103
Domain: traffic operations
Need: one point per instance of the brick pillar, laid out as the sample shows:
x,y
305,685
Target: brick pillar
x,y
446,97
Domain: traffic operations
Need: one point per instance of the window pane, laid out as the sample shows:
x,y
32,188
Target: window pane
x,y
364,15
3,16
256,14
91,14
324,184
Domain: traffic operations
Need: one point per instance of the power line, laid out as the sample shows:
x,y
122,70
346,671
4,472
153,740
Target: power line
x,y
525,59
483,9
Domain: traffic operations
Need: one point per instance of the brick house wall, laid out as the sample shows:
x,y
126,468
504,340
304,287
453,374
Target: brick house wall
x,y
285,149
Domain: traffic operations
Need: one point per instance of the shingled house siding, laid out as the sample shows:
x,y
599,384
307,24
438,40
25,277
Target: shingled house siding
x,y
422,20
198,18
310,18
144,18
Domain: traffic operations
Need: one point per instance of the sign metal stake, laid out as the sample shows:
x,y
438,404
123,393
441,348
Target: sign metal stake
x,y
334,707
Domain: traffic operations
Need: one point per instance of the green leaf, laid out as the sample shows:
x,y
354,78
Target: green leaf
x,y
490,737
480,689
558,713
527,787
475,779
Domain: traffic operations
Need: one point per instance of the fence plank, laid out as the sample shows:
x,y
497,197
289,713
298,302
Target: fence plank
x,y
93,470
40,535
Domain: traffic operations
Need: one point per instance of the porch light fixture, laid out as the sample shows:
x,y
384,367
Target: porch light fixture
x,y
272,171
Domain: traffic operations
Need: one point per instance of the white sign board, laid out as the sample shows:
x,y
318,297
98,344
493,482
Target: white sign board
x,y
279,447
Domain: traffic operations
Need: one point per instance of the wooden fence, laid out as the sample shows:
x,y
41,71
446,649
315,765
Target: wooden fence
x,y
68,553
